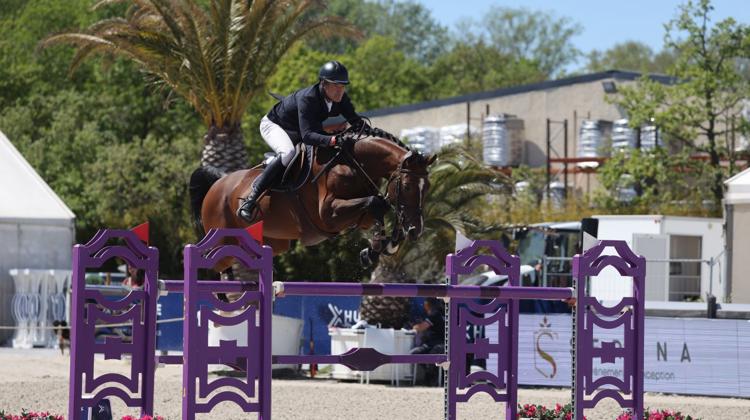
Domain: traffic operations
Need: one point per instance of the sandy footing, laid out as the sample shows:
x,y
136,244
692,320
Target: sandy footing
x,y
38,380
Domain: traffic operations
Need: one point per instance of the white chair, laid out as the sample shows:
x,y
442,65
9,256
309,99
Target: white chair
x,y
384,341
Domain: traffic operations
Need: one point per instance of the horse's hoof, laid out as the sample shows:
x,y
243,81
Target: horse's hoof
x,y
392,248
364,258
368,257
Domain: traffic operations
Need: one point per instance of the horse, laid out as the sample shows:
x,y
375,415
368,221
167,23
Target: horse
x,y
338,189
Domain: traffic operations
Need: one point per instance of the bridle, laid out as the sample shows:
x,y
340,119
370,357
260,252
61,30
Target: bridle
x,y
395,202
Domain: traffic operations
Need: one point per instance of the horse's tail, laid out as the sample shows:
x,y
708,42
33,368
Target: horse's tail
x,y
200,182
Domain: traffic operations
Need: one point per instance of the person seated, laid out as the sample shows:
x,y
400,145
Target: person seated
x,y
135,278
431,336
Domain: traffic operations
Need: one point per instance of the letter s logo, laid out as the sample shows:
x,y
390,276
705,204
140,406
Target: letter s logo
x,y
544,355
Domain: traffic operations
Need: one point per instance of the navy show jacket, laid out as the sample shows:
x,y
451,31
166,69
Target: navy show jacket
x,y
302,113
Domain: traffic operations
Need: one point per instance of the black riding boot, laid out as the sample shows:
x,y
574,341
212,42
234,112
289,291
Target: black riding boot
x,y
264,181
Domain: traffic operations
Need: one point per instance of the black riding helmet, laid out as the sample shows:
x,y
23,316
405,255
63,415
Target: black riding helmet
x,y
335,72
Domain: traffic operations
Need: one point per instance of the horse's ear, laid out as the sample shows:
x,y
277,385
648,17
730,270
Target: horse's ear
x,y
431,159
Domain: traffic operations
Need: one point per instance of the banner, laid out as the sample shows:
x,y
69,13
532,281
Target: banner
x,y
682,355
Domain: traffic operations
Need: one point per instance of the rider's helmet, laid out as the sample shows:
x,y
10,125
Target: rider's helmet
x,y
334,72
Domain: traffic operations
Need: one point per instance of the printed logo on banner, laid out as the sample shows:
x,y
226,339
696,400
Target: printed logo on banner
x,y
544,363
342,317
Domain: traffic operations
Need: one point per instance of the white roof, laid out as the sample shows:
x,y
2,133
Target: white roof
x,y
25,195
738,188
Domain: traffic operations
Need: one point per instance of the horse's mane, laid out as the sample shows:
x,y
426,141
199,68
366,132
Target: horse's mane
x,y
388,143
378,133
370,131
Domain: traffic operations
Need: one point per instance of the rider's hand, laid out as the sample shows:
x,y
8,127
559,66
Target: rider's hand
x,y
345,140
332,142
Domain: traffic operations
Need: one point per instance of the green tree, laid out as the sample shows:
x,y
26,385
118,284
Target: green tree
x,y
411,25
144,180
664,183
477,66
24,72
697,111
383,76
535,36
459,184
417,33
630,55
217,58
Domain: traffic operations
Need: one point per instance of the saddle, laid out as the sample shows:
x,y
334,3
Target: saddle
x,y
298,171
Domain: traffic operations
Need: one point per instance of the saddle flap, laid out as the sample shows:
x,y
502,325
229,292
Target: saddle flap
x,y
298,171
298,149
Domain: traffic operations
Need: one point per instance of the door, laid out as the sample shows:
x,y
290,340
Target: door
x,y
655,248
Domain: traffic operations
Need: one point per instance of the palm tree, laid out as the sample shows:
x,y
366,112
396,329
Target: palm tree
x,y
217,58
458,184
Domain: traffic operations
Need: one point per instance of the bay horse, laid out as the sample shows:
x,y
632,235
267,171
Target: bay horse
x,y
340,189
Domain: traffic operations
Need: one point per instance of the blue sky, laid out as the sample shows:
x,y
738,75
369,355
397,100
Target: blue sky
x,y
604,22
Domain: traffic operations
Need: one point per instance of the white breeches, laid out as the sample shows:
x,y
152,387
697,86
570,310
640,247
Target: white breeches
x,y
277,139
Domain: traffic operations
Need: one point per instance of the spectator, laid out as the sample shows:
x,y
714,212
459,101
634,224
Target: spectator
x,y
135,278
431,337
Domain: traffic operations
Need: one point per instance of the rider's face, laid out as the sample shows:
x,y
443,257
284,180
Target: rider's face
x,y
334,91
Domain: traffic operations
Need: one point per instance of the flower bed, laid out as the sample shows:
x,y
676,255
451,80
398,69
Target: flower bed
x,y
30,415
565,412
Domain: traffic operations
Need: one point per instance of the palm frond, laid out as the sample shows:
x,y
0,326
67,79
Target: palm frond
x,y
218,57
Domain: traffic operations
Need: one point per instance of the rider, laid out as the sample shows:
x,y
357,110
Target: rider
x,y
299,117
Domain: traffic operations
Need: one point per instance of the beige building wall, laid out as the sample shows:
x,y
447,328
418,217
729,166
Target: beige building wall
x,y
740,252
570,99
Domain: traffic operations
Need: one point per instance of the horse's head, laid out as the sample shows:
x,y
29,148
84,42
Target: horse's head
x,y
407,188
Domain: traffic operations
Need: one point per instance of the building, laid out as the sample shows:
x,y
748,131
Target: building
x,y
574,99
737,216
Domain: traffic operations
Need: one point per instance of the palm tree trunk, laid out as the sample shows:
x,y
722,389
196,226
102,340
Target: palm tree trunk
x,y
386,311
224,148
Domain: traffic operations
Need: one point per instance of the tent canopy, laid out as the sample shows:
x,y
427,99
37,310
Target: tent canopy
x,y
738,188
26,198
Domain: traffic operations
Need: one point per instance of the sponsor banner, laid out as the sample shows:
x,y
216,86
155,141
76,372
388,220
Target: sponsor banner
x,y
318,314
682,355
169,334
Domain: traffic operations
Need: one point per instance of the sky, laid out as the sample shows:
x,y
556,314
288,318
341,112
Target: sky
x,y
605,23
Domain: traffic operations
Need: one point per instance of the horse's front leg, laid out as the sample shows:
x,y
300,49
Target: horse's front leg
x,y
342,213
338,214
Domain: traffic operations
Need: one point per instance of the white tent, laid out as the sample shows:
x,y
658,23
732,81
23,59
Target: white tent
x,y
738,188
737,213
37,229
